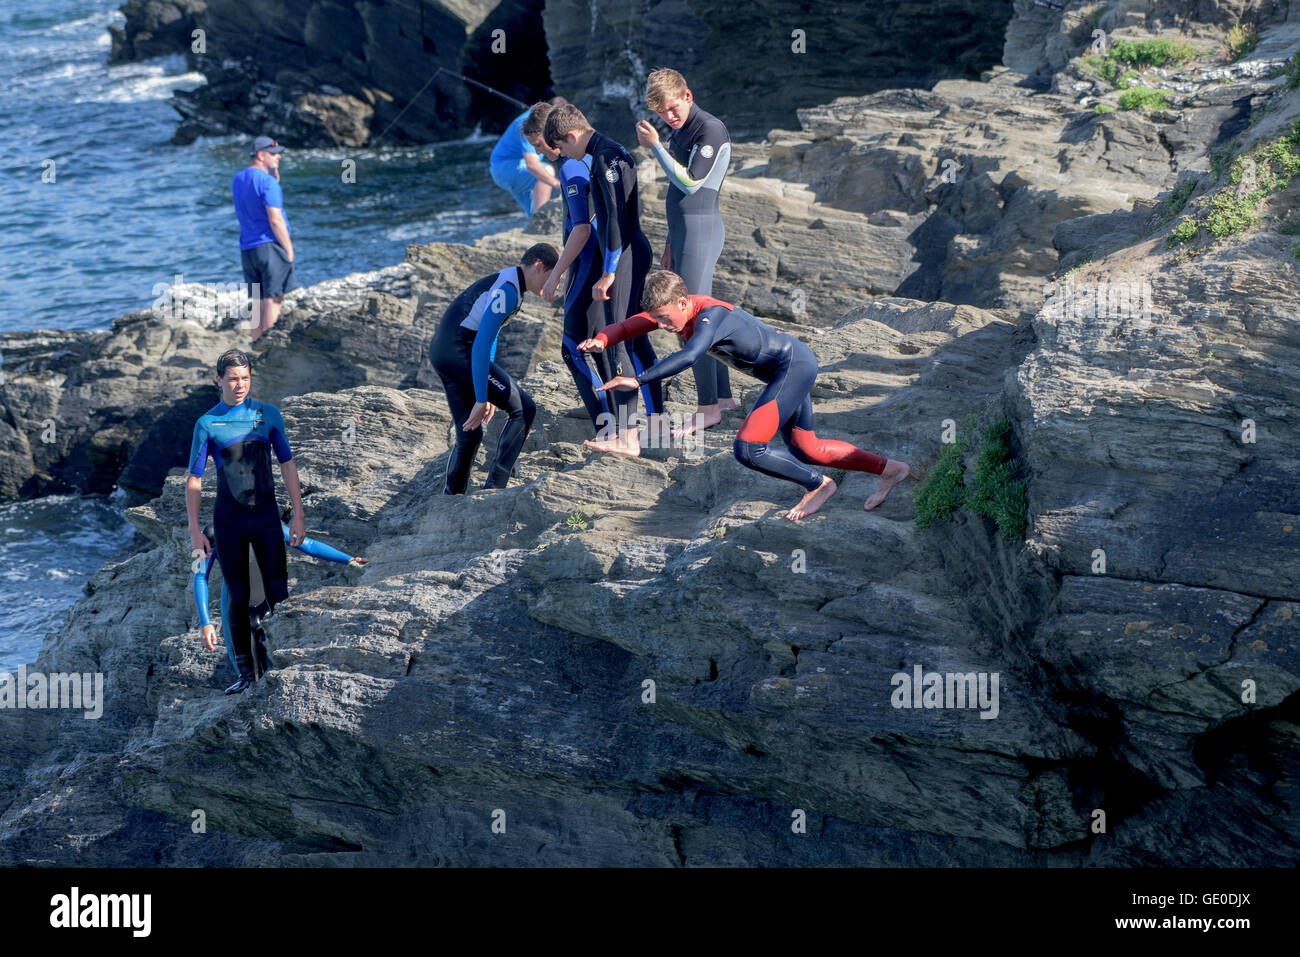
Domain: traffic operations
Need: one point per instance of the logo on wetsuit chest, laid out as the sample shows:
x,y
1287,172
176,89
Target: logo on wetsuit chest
x,y
706,150
611,174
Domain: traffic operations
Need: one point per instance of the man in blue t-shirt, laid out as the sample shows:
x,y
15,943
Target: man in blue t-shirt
x,y
518,169
265,248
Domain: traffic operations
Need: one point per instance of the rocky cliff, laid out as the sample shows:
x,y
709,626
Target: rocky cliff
x,y
317,72
641,661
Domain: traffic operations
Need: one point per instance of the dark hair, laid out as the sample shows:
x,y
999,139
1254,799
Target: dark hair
x,y
543,253
233,357
562,121
662,287
536,121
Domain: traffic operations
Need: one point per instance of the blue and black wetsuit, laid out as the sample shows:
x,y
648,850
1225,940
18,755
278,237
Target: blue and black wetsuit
x,y
240,439
788,367
258,607
696,158
626,254
461,353
583,316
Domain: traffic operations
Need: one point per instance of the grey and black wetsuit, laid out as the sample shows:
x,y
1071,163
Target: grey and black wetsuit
x,y
461,354
696,158
626,254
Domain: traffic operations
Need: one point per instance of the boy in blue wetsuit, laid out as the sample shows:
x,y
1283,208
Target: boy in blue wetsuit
x,y
239,434
461,354
258,608
787,367
625,254
516,168
580,259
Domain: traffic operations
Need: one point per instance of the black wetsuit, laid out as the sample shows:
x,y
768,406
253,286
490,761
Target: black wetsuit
x,y
626,254
783,362
696,158
240,439
461,353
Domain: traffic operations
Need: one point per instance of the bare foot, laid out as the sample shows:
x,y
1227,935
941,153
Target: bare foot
x,y
726,405
813,500
894,473
629,443
697,423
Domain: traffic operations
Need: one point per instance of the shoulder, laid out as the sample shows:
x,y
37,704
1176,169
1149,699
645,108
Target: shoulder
x,y
212,413
268,412
712,125
574,170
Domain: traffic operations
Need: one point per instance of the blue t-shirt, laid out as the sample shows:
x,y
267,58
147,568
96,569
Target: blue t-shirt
x,y
512,146
255,189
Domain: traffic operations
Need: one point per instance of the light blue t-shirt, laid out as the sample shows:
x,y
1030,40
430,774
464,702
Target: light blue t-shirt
x,y
255,189
512,146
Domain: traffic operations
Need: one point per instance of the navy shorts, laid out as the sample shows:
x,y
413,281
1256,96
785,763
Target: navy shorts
x,y
269,267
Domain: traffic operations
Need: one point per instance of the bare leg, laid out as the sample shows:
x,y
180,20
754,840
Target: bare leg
x,y
813,500
541,193
894,473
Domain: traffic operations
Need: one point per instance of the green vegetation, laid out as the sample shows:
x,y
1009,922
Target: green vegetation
x,y
1274,165
1295,249
1142,98
1103,108
1219,157
719,532
1241,39
1290,226
578,520
1138,55
1095,16
1178,198
995,493
1231,214
1129,78
1184,232
944,490
1293,71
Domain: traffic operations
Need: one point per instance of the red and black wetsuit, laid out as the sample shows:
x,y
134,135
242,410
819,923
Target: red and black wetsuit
x,y
780,360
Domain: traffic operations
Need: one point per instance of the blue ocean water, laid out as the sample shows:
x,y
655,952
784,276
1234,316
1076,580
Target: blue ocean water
x,y
126,209
99,207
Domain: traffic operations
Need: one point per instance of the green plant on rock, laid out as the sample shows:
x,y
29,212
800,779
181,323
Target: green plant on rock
x,y
1103,108
1184,232
1295,249
1290,226
1231,214
944,489
1138,55
1179,196
995,492
1220,156
1241,39
1293,72
1143,98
